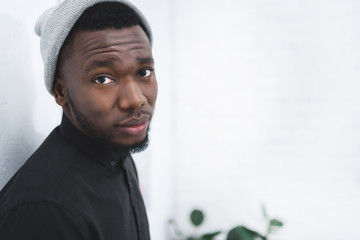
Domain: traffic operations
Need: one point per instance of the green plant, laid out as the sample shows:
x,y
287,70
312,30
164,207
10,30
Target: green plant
x,y
237,233
196,218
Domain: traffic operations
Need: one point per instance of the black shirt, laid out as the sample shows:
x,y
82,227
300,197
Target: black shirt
x,y
74,187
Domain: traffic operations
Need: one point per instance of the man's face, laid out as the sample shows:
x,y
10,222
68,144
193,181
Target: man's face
x,y
108,86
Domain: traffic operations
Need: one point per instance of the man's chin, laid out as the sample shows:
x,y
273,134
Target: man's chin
x,y
136,147
141,146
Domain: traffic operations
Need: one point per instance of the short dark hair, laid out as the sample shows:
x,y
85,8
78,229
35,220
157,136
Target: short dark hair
x,y
105,15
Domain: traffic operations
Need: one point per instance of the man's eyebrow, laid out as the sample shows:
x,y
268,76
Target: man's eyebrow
x,y
147,60
110,61
100,63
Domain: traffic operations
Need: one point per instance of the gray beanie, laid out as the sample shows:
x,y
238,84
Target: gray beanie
x,y
54,25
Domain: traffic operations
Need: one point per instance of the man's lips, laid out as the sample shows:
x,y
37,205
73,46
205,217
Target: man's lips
x,y
136,129
134,126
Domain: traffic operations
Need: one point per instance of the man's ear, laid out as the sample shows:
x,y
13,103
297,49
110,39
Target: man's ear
x,y
59,92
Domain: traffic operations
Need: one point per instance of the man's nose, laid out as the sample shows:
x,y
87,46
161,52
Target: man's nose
x,y
131,95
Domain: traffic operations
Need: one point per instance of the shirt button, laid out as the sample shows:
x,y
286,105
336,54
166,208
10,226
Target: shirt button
x,y
112,163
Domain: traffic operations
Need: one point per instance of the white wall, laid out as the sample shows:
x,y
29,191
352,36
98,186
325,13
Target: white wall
x,y
267,111
27,111
258,103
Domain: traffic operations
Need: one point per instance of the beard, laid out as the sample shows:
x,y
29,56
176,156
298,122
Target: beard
x,y
91,129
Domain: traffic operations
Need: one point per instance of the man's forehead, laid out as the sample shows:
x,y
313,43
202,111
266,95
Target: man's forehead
x,y
110,47
95,40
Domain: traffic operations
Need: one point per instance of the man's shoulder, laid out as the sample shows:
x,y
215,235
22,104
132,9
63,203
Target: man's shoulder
x,y
53,147
45,176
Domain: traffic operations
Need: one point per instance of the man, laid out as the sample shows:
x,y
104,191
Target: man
x,y
82,183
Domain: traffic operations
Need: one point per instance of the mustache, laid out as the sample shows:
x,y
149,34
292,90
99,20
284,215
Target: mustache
x,y
136,114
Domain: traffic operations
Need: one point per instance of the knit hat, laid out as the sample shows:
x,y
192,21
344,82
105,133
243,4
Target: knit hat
x,y
54,25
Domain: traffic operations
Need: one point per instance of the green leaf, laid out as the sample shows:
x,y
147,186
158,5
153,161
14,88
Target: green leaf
x,y
275,222
196,217
209,236
191,238
243,233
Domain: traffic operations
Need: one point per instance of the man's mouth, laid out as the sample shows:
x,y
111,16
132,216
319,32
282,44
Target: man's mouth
x,y
135,129
135,126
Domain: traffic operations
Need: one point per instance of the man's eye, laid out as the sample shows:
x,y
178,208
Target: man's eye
x,y
145,73
103,80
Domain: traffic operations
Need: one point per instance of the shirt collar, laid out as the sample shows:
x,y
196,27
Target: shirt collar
x,y
102,151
